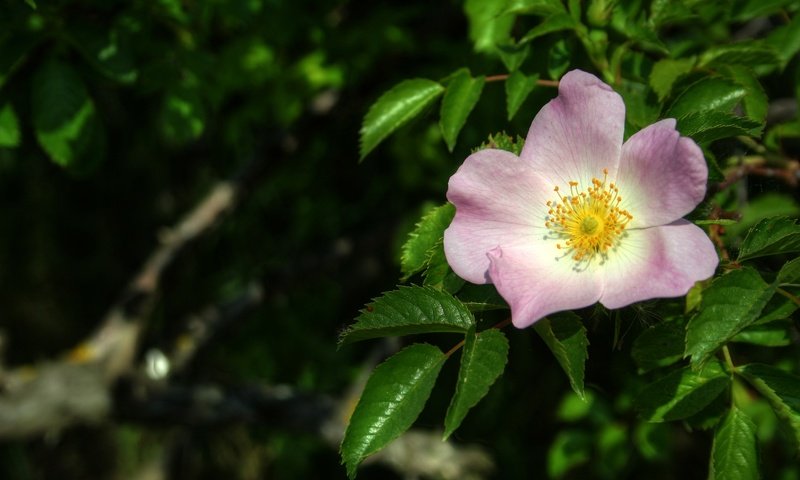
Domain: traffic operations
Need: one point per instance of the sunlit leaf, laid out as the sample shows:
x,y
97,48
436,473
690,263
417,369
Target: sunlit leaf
x,y
463,92
730,304
682,393
710,93
665,72
488,26
733,454
409,310
750,54
565,336
394,109
707,126
393,398
482,362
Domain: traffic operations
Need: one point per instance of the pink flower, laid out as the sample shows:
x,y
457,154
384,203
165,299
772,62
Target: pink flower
x,y
579,217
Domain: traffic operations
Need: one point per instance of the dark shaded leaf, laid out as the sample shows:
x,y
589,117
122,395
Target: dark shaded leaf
x,y
733,454
682,393
565,336
771,236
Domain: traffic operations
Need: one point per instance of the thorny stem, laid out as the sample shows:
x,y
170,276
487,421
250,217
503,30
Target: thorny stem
x,y
541,83
460,344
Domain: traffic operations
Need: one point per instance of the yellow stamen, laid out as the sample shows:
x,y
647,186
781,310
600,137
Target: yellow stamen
x,y
588,222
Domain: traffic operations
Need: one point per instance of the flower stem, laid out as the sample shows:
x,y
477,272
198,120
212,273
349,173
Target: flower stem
x,y
460,344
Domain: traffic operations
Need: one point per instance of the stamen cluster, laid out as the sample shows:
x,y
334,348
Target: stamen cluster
x,y
591,222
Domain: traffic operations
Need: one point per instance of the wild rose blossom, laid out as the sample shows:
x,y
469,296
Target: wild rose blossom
x,y
579,217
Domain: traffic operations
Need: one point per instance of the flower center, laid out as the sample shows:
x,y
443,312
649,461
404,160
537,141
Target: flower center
x,y
591,221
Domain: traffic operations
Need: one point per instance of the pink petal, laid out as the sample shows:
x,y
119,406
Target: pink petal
x,y
536,282
499,201
577,134
657,262
662,176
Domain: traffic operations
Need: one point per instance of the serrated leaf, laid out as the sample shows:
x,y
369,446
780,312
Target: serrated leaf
x,y
462,93
750,9
790,272
733,454
665,72
394,109
565,336
438,273
482,362
427,233
709,93
393,398
518,87
730,304
9,127
660,345
750,54
781,389
407,311
682,393
63,113
771,236
550,24
707,126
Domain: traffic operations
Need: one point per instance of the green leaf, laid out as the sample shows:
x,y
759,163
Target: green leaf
x,y
551,24
755,102
771,236
665,72
534,7
786,40
730,304
570,449
438,273
772,334
462,93
105,52
14,48
565,336
9,127
716,221
707,126
407,311
660,345
513,55
682,393
393,398
183,115
488,27
749,9
781,389
733,454
790,272
479,298
394,109
482,362
518,87
417,249
750,54
64,116
709,93
558,59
